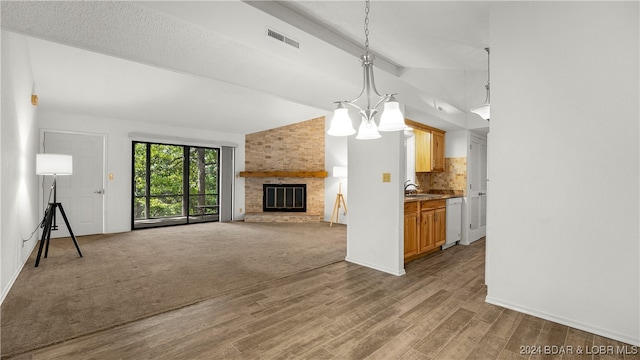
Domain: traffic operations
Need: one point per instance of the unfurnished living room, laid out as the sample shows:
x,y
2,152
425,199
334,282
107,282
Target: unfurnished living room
x,y
320,180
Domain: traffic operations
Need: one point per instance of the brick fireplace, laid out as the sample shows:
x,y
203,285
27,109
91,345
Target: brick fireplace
x,y
293,154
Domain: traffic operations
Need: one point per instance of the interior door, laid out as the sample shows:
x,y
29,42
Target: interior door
x,y
477,188
81,194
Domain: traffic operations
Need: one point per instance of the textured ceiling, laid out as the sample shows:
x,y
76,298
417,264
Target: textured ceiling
x,y
210,65
412,34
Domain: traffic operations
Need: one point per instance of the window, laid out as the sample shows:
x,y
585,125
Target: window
x,y
174,184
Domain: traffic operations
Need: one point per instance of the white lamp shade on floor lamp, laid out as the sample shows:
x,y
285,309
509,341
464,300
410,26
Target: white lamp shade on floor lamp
x,y
54,164
340,171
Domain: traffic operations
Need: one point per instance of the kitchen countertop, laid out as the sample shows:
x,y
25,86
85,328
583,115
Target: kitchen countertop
x,y
423,197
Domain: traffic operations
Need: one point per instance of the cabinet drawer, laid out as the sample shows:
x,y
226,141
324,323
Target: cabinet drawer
x,y
411,207
432,204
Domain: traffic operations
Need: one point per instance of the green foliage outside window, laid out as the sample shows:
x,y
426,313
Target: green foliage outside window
x,y
164,190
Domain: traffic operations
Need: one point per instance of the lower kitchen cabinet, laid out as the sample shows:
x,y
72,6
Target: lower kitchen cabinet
x,y
410,229
424,227
426,231
440,226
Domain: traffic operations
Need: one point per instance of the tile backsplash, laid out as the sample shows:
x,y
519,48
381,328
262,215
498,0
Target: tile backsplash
x,y
452,181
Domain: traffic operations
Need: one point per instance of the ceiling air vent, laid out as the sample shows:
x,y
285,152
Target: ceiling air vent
x,y
283,38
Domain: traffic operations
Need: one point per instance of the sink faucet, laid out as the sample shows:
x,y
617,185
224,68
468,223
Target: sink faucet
x,y
409,183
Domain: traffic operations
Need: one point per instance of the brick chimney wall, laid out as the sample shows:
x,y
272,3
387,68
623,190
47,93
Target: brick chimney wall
x,y
296,147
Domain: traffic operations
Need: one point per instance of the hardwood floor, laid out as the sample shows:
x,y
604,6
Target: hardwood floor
x,y
344,311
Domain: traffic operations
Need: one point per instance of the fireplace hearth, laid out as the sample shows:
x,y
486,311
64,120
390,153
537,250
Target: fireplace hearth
x,y
284,197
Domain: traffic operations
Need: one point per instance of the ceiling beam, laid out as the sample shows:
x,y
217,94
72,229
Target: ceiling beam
x,y
281,11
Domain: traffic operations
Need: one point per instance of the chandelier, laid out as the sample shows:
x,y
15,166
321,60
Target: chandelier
x,y
391,118
484,109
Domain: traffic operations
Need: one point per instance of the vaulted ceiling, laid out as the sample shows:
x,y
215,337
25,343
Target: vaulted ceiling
x,y
211,65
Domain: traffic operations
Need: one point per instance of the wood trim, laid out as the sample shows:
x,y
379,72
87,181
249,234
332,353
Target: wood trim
x,y
432,204
419,255
421,126
293,174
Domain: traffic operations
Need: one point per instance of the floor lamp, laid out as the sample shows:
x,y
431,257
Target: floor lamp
x,y
339,172
53,164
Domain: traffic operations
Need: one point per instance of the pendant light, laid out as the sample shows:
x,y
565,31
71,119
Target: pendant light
x,y
484,109
341,123
368,130
391,118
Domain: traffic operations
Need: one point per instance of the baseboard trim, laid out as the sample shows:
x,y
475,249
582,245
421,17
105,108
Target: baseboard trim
x,y
6,290
467,242
564,321
375,267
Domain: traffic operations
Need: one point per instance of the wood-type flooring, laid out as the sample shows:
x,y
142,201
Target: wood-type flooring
x,y
345,311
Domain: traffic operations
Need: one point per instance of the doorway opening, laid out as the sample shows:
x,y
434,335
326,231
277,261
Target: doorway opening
x,y
174,184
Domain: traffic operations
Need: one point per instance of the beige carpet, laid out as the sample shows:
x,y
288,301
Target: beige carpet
x,y
128,276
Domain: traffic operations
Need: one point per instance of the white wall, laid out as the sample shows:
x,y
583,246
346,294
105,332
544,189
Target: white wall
x,y
564,210
376,209
456,143
410,161
335,149
118,150
18,146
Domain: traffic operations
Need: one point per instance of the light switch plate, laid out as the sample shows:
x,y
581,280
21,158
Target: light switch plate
x,y
386,177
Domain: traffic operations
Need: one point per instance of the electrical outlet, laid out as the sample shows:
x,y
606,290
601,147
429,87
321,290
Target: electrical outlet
x,y
386,177
240,209
111,176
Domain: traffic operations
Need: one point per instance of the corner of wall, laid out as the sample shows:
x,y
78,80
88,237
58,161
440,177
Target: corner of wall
x,y
18,147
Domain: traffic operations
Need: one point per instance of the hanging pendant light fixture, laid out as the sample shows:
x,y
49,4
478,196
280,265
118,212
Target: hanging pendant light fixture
x,y
484,109
391,118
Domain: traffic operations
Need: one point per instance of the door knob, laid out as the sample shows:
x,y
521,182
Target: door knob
x,y
101,191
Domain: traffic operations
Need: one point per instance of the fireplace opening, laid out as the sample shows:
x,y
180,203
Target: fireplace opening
x,y
284,197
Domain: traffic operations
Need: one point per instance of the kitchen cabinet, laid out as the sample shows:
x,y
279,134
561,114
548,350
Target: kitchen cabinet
x,y
429,147
437,147
423,150
440,226
426,231
410,229
424,227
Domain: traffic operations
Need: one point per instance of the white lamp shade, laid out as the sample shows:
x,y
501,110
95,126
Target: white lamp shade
x,y
341,124
368,130
391,118
54,164
483,110
340,171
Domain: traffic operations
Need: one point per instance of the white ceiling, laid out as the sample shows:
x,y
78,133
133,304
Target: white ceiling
x,y
210,65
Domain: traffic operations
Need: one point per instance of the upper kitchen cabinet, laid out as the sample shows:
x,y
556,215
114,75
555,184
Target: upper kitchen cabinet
x,y
429,147
423,150
437,148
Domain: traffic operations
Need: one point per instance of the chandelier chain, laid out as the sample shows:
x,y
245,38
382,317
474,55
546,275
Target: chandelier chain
x,y
366,26
488,66
390,120
488,74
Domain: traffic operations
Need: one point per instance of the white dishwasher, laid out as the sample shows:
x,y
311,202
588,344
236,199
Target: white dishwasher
x,y
454,222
